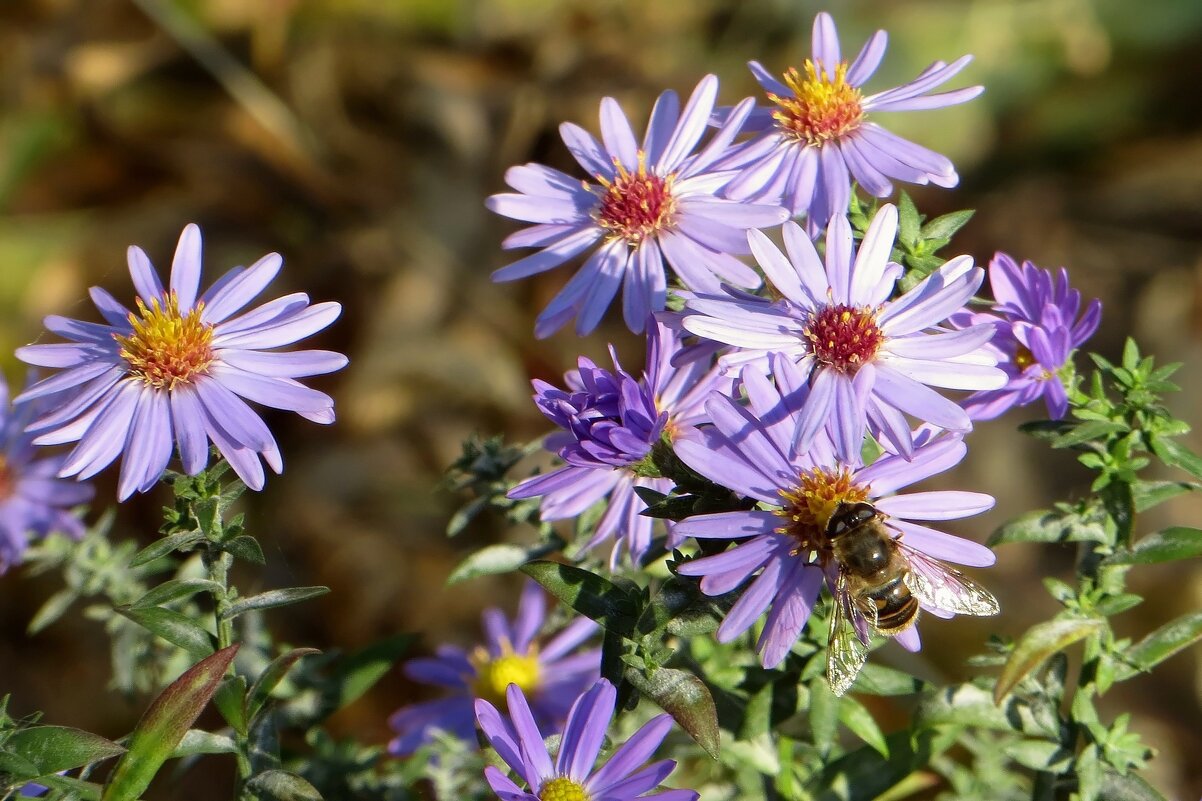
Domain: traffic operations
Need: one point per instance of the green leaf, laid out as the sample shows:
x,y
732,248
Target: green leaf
x,y
52,610
230,700
859,720
164,725
908,221
863,774
1175,454
1098,430
1040,755
502,558
589,594
357,673
1045,525
1169,545
686,698
246,548
945,226
465,514
197,742
50,749
160,548
880,680
280,785
971,705
1148,494
272,599
173,627
679,607
270,678
1040,642
1129,787
1169,639
71,787
824,714
174,590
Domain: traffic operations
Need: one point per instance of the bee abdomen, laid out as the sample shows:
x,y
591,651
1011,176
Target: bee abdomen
x,y
896,607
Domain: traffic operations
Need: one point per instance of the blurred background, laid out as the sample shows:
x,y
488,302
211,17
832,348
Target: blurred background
x,y
359,138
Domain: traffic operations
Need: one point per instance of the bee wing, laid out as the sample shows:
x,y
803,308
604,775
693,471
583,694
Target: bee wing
x,y
845,652
944,588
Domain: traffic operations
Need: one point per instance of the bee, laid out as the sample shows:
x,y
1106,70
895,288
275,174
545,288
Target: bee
x,y
880,586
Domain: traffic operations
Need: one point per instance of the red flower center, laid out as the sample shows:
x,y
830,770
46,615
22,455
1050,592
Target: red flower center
x,y
637,204
844,337
167,346
820,109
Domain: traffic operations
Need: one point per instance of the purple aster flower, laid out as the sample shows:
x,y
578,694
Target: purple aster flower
x,y
871,360
753,451
610,422
552,672
1036,330
649,203
176,371
572,777
816,137
34,501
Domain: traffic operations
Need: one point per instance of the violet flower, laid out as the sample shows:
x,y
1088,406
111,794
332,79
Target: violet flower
x,y
175,372
816,137
753,451
551,671
572,776
871,360
1036,329
644,203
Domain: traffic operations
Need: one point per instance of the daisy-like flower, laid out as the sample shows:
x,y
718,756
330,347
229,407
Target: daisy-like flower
x,y
752,451
1036,329
610,422
871,360
642,205
552,672
34,501
177,371
816,137
571,776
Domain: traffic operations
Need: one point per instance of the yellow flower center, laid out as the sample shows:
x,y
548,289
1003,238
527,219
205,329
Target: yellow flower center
x,y
820,109
562,788
493,676
807,508
167,347
1023,357
636,205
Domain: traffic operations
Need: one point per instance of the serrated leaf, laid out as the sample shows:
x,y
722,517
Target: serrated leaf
x,y
945,226
51,749
173,627
859,720
1164,642
686,698
272,599
270,678
1168,545
52,610
1039,643
280,785
589,594
160,548
175,590
502,558
246,548
197,742
164,725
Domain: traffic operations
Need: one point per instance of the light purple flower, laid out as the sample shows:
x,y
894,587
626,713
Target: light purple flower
x,y
753,451
816,137
650,203
572,777
553,672
177,371
34,501
871,360
609,423
1036,330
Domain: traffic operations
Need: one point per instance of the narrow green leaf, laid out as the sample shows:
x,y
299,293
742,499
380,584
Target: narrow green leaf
x,y
246,548
1040,642
1044,525
971,705
908,221
273,598
1089,431
1129,787
52,610
589,594
279,785
1177,455
880,680
357,673
679,607
686,698
859,720
465,514
1169,545
173,627
230,700
160,548
164,725
1169,639
501,558
824,714
864,775
1148,494
197,742
174,590
945,226
71,787
1040,755
51,749
270,678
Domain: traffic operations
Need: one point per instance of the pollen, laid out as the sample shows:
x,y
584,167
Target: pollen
x,y
844,337
820,109
494,675
807,508
167,346
562,788
636,205
1023,357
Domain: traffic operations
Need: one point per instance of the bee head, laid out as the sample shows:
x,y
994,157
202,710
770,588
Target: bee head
x,y
849,516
